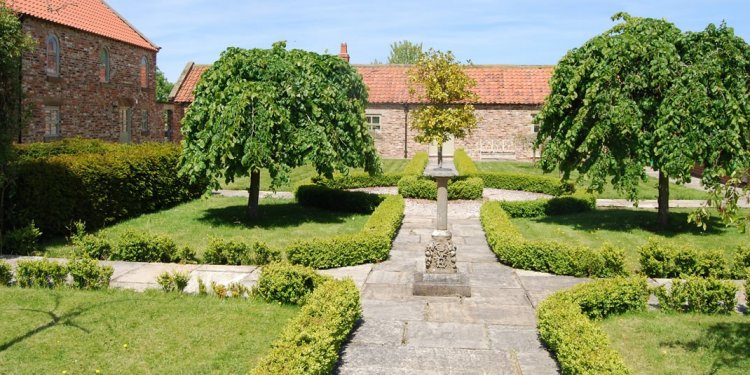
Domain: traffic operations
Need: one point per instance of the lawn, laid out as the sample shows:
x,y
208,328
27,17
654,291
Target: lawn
x,y
629,229
122,332
194,223
647,190
658,343
302,175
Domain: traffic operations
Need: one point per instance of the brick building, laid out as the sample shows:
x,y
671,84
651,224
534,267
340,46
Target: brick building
x,y
509,97
91,73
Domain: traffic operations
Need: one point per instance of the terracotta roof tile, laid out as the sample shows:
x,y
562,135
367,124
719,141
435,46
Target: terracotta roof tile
x,y
94,16
496,84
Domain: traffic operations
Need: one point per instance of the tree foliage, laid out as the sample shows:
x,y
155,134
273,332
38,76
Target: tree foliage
x,y
646,94
441,81
277,109
405,52
163,87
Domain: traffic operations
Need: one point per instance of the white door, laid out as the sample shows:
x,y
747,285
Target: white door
x,y
448,148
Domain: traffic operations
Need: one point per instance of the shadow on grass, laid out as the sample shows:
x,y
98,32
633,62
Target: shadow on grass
x,y
728,342
277,215
625,220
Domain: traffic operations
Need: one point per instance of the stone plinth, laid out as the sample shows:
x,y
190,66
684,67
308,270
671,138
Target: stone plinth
x,y
441,284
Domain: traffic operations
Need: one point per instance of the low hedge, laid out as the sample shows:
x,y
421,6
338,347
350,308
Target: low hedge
x,y
5,273
98,188
85,274
424,188
337,200
68,146
546,256
358,180
287,283
372,244
663,259
562,205
310,343
707,296
463,163
221,251
525,182
417,164
581,347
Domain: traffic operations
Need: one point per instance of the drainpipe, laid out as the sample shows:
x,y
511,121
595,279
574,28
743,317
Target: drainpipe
x,y
406,131
20,96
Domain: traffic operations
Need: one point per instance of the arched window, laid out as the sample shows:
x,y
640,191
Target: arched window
x,y
144,72
104,65
53,55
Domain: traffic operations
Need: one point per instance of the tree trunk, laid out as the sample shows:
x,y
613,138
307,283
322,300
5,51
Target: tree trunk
x,y
253,193
440,155
663,201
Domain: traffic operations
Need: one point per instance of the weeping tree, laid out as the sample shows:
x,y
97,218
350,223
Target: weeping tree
x,y
276,109
646,94
441,81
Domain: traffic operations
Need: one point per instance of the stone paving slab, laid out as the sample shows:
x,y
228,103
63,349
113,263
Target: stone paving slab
x,y
446,335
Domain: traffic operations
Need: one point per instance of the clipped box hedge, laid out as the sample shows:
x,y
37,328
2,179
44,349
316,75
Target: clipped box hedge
x,y
424,188
372,244
416,166
525,182
310,343
562,205
695,294
99,188
463,163
358,180
564,324
546,256
337,200
666,259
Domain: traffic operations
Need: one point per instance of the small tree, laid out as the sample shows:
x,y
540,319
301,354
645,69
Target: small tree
x,y
276,109
442,82
645,94
405,52
163,86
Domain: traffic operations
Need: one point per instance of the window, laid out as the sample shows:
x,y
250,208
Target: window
x,y
104,74
536,128
52,121
53,56
144,121
373,122
144,72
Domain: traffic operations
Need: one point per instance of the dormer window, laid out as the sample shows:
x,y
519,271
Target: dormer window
x,y
104,74
53,56
144,72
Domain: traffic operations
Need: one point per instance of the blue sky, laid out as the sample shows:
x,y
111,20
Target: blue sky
x,y
483,31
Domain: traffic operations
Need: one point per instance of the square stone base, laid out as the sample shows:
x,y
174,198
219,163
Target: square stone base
x,y
441,284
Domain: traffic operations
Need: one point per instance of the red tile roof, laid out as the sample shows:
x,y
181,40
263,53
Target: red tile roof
x,y
94,16
496,84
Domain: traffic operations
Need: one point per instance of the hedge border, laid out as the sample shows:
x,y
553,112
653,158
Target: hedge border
x,y
464,164
416,187
357,180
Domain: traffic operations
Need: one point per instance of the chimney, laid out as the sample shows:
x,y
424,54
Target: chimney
x,y
344,54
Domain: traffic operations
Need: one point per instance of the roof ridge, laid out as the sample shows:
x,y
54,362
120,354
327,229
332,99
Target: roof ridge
x,y
131,26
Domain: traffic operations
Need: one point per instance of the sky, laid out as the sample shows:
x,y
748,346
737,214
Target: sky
x,y
533,32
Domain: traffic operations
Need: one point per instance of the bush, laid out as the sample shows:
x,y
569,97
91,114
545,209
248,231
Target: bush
x,y
88,274
337,200
230,252
175,281
425,188
614,296
357,180
741,262
69,146
40,274
287,283
464,165
89,245
99,188
372,244
525,182
140,247
22,241
563,205
310,343
470,189
664,259
6,276
707,296
417,164
545,256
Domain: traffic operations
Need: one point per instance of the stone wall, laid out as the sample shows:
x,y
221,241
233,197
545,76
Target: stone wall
x,y
89,108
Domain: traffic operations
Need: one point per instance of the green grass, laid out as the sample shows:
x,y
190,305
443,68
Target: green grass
x,y
303,175
646,190
657,343
629,229
194,223
121,332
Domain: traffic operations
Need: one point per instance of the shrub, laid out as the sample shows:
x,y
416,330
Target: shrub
x,y
185,255
668,260
464,165
525,182
175,281
470,188
545,256
92,246
140,247
337,200
613,296
22,241
230,252
88,274
741,262
99,188
68,146
40,274
708,296
310,343
357,180
562,205
372,244
417,164
6,276
287,283
425,188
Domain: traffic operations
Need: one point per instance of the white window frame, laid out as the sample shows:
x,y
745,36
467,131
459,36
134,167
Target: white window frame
x,y
52,121
372,125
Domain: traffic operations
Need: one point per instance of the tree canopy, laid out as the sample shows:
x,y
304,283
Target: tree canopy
x,y
405,52
441,81
277,109
644,93
163,86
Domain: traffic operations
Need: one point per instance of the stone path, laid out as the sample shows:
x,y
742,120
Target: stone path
x,y
491,332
